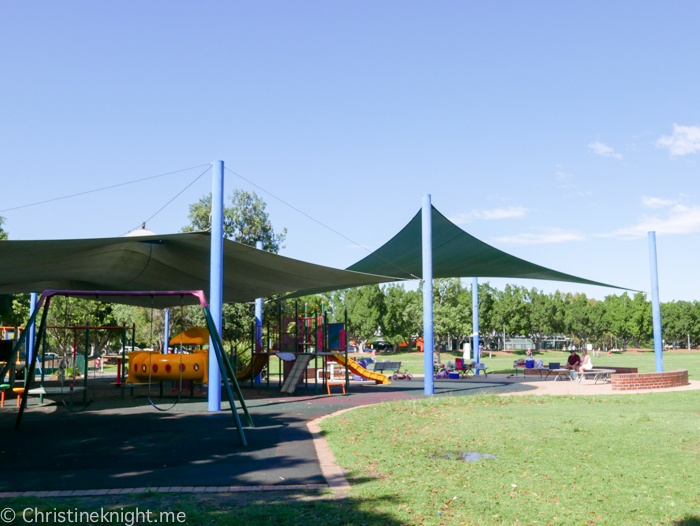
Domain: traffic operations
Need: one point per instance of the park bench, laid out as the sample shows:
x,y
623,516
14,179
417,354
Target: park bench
x,y
380,367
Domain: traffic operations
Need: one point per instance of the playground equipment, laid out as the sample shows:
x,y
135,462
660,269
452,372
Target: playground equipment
x,y
73,361
227,374
153,366
305,344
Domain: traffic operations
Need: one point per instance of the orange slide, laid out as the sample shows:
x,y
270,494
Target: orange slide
x,y
357,369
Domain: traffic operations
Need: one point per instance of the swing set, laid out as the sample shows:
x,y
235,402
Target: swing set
x,y
228,375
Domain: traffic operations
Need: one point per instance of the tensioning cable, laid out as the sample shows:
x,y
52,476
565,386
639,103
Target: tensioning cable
x,y
322,224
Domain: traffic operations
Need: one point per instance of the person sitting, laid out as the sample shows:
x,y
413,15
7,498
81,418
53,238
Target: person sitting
x,y
574,361
586,364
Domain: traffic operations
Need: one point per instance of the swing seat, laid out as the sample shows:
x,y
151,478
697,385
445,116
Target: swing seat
x,y
19,391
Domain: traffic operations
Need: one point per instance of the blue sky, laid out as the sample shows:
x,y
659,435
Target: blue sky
x,y
560,133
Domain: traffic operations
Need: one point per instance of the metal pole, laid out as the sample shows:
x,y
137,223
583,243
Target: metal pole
x,y
655,307
30,335
475,319
87,354
43,363
427,213
166,332
216,281
121,380
259,313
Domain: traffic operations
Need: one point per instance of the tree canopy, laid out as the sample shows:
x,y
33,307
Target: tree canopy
x,y
245,220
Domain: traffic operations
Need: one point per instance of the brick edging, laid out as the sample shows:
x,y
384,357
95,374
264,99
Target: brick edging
x,y
330,469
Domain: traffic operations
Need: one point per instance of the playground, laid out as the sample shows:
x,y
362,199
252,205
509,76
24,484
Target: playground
x,y
200,415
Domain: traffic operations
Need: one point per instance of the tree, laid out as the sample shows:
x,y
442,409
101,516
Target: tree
x,y
543,316
619,317
403,319
677,321
366,310
641,321
510,310
245,220
577,317
599,320
3,233
448,312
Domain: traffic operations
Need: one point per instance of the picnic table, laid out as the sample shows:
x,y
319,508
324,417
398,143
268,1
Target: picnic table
x,y
595,374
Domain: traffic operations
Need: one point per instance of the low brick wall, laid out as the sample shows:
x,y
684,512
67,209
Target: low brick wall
x,y
629,382
618,370
623,370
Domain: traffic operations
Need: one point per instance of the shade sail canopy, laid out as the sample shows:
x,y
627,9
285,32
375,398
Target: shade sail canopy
x,y
167,262
456,254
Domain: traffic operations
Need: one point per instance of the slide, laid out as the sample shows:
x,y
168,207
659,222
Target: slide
x,y
296,375
260,363
357,369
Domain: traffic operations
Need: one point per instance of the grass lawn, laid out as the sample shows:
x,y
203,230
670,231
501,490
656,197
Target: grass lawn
x,y
611,460
503,364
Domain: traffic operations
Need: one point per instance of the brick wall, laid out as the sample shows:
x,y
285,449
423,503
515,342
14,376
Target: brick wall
x,y
629,382
621,370
536,372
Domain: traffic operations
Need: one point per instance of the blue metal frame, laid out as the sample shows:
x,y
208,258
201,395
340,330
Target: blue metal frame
x,y
216,284
30,340
475,320
655,306
427,234
166,332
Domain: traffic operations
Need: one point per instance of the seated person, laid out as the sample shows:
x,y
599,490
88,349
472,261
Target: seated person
x,y
573,362
586,365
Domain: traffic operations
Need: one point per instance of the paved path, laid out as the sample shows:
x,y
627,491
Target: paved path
x,y
129,445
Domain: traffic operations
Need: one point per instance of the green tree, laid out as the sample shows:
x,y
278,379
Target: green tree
x,y
366,310
577,318
3,233
619,317
403,319
245,220
510,310
448,313
677,321
641,320
599,320
543,316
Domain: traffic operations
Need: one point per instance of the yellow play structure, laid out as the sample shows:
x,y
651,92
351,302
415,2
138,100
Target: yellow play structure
x,y
166,366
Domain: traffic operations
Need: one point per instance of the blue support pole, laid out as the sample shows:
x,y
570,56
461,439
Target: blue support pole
x,y
655,306
427,216
30,335
216,280
258,316
166,335
475,320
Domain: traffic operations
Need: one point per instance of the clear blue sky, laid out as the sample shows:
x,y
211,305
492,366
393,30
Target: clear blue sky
x,y
559,132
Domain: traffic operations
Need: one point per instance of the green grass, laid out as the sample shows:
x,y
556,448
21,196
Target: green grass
x,y
501,364
278,508
612,460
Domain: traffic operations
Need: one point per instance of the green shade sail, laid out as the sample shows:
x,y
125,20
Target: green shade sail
x,y
456,254
167,262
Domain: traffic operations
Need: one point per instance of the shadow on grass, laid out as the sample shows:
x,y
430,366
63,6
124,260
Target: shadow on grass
x,y
688,520
262,508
